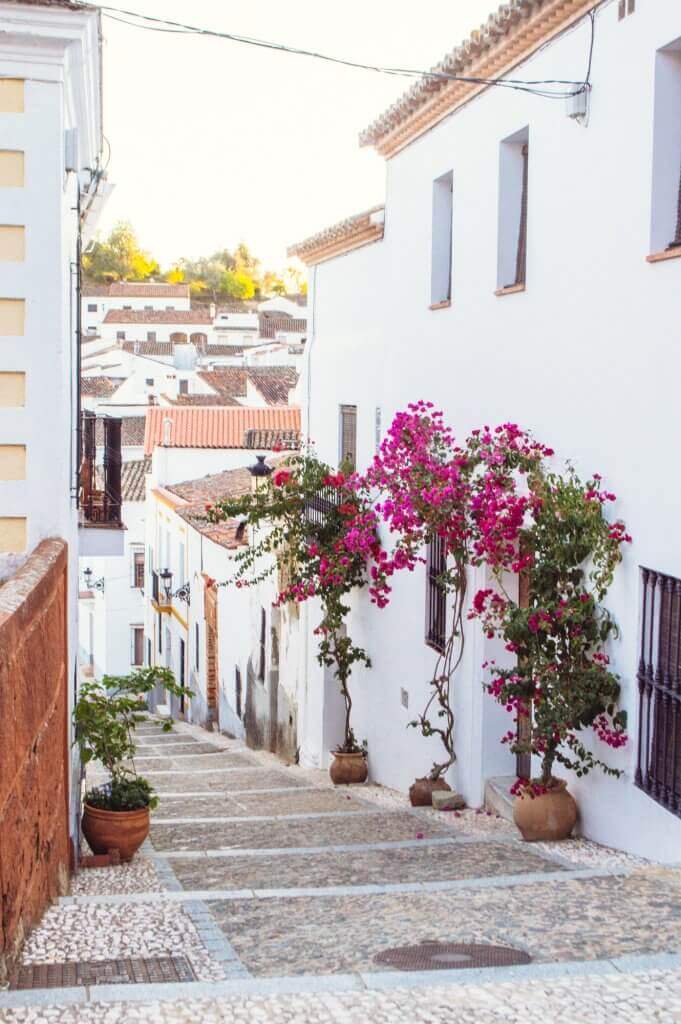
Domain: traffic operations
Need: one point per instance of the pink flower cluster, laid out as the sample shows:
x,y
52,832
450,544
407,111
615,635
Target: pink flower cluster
x,y
615,736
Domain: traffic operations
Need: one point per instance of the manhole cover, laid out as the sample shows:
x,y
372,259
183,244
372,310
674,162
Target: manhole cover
x,y
442,956
125,971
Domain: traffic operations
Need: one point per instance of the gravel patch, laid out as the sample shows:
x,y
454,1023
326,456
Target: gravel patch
x,y
96,932
139,875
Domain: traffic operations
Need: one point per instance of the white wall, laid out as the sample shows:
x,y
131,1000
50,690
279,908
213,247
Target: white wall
x,y
140,331
95,318
587,357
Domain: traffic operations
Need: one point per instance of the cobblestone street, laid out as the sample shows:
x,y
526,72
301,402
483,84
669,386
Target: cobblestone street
x,y
281,892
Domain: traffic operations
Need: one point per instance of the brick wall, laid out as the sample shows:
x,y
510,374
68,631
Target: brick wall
x,y
34,837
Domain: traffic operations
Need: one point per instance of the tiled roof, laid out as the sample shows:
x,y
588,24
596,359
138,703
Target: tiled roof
x,y
132,478
232,483
347,234
507,38
204,400
213,427
158,316
100,387
273,382
132,431
133,475
222,350
148,348
268,440
269,325
135,290
226,382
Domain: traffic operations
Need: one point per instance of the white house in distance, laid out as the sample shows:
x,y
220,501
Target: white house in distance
x,y
196,454
176,325
538,243
98,299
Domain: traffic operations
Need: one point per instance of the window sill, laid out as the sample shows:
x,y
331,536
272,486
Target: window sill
x,y
667,254
510,289
441,305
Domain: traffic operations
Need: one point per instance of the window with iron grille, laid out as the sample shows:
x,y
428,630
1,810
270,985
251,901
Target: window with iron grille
x,y
626,7
441,240
436,595
665,233
347,441
513,193
658,770
137,645
138,568
263,641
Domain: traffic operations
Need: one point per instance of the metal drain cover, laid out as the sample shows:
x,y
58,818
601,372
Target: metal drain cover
x,y
125,971
442,956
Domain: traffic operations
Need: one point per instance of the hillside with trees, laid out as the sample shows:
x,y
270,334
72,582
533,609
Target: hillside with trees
x,y
225,276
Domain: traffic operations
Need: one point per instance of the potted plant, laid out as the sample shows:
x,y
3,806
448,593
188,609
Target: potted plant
x,y
320,537
116,814
562,680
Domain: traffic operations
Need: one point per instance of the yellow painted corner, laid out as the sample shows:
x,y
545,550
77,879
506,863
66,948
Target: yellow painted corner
x,y
12,390
12,317
12,243
11,95
12,534
12,461
11,168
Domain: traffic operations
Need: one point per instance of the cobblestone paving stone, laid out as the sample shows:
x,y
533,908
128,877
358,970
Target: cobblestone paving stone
x,y
224,781
637,998
375,828
165,739
188,763
584,919
105,932
301,802
380,867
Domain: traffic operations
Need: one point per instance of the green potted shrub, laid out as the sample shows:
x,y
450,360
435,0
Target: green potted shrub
x,y
116,814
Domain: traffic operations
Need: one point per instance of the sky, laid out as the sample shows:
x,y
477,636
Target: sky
x,y
213,143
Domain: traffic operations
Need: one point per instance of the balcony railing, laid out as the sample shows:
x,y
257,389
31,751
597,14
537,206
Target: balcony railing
x,y
321,504
100,481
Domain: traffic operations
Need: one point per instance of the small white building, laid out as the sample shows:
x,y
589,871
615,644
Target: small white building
x,y
98,299
541,286
159,325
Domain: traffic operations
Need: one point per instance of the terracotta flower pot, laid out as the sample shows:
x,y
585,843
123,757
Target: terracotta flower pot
x,y
115,830
547,817
347,769
421,792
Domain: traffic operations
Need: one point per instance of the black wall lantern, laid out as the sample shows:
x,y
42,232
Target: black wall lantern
x,y
93,584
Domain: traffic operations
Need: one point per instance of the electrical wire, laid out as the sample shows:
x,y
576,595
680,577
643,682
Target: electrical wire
x,y
546,88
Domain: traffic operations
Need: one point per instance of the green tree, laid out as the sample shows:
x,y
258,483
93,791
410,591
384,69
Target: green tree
x,y
236,284
119,257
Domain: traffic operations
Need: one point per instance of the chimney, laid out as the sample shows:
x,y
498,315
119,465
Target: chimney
x,y
259,473
167,431
151,399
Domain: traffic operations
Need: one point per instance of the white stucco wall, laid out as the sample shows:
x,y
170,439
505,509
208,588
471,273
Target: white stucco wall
x,y
587,358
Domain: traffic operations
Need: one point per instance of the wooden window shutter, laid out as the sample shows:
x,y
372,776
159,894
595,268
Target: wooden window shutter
x,y
521,257
436,595
348,436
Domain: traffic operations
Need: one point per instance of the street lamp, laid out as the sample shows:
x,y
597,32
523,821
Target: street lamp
x,y
167,580
93,584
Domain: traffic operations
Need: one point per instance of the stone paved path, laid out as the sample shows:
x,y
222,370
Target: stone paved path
x,y
281,891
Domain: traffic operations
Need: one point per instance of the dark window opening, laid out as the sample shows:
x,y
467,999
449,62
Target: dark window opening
x,y
137,652
151,335
658,770
160,634
138,569
184,387
182,672
92,307
436,595
196,646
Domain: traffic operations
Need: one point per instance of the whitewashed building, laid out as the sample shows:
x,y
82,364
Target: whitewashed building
x,y
51,189
541,286
98,299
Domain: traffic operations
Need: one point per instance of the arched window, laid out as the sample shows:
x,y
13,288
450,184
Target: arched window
x,y
179,338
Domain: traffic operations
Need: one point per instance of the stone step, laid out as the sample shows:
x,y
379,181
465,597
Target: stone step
x,y
498,796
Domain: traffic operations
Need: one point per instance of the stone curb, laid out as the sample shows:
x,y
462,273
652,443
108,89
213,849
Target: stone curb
x,y
367,981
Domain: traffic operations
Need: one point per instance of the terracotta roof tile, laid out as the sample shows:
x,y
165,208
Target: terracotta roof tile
x,y
226,382
347,234
136,290
269,325
268,440
148,348
133,475
214,427
100,387
132,431
232,483
274,382
222,350
158,316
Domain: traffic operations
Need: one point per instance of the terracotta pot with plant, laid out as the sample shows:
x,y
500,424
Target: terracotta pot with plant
x,y
562,681
116,813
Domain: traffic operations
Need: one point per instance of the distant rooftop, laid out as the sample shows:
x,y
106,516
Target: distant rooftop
x,y
158,316
136,290
212,427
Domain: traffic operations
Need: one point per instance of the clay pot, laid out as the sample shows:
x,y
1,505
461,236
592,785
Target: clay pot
x,y
348,768
421,792
547,817
124,831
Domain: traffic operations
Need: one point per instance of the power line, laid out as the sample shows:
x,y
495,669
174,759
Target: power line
x,y
546,88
